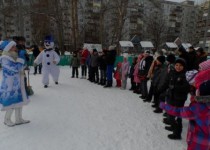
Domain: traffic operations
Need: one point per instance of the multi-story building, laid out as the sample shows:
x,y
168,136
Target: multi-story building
x,y
181,20
14,21
96,25
203,25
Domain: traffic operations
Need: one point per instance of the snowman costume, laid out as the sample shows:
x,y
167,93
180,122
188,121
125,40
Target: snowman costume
x,y
12,89
49,59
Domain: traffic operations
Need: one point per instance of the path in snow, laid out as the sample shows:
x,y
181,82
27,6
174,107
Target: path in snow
x,y
79,115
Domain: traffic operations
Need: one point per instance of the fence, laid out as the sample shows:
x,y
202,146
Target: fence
x,y
65,60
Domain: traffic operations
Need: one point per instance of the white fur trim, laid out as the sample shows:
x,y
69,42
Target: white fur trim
x,y
20,60
9,46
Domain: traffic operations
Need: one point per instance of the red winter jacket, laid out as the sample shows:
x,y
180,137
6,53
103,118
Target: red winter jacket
x,y
84,55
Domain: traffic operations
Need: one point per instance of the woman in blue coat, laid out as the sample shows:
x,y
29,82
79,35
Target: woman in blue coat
x,y
12,90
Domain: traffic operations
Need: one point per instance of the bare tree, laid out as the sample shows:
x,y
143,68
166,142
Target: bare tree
x,y
156,28
74,23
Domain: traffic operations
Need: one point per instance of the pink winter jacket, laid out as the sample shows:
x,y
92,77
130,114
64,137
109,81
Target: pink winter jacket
x,y
125,69
202,77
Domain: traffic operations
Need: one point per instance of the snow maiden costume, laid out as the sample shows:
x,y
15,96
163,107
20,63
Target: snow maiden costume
x,y
49,59
12,89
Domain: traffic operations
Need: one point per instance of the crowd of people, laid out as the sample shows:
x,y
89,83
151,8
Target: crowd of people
x,y
172,77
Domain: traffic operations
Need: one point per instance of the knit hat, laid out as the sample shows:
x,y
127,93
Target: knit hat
x,y
171,58
161,59
181,61
204,65
7,45
190,76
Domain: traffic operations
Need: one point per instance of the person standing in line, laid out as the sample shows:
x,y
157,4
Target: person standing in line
x,y
131,74
117,74
201,57
84,55
75,63
102,67
125,69
110,60
177,89
136,75
198,136
143,72
94,62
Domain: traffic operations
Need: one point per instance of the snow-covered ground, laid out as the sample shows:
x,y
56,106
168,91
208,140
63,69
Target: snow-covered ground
x,y
79,115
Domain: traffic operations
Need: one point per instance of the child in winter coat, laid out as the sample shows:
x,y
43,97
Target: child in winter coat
x,y
75,63
125,69
198,113
177,89
117,74
136,75
131,74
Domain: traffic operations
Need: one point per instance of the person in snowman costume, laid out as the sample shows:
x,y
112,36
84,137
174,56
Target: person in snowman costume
x,y
49,59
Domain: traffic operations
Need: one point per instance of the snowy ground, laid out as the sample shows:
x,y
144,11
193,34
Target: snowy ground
x,y
79,115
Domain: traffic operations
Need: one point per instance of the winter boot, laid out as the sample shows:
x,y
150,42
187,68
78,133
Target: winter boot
x,y
169,128
108,84
174,137
18,117
177,130
158,110
7,119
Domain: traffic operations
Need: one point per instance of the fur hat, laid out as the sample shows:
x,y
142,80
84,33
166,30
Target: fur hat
x,y
7,45
161,59
204,65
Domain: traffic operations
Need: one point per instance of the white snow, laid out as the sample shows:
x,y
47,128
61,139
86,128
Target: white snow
x,y
79,115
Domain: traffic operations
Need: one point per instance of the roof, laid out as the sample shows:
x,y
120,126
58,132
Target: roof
x,y
126,44
90,47
186,45
146,44
171,45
